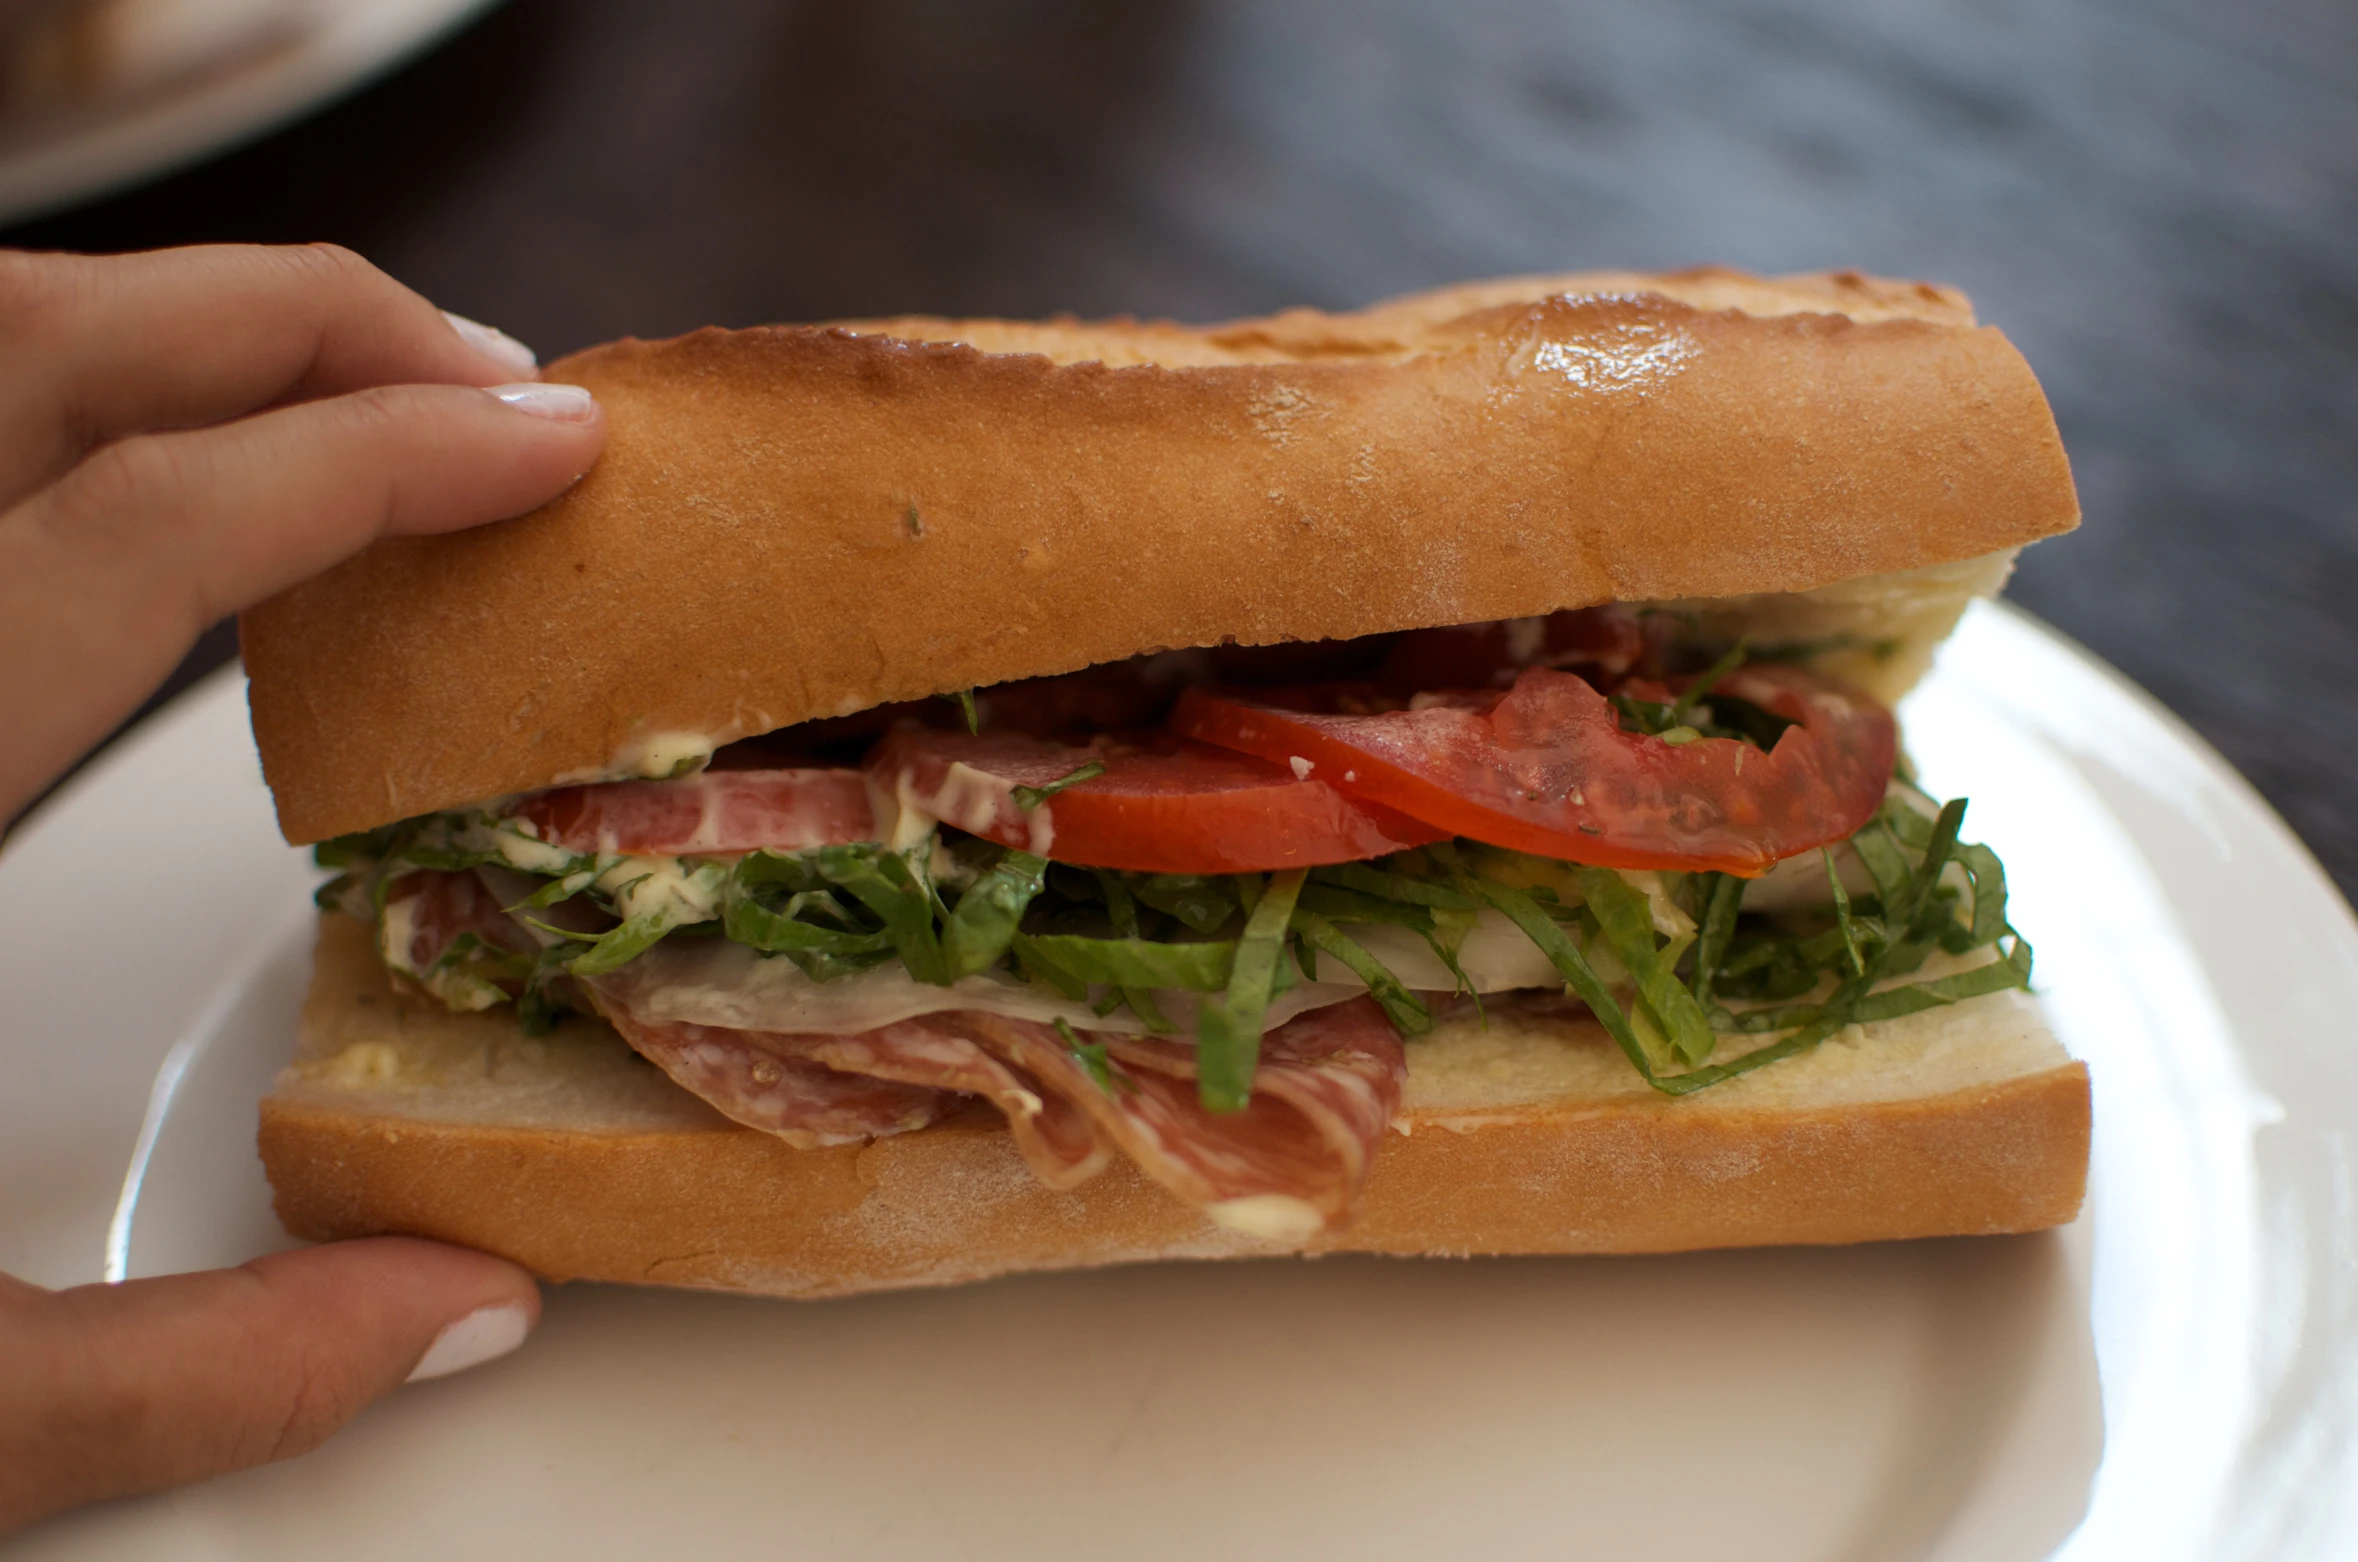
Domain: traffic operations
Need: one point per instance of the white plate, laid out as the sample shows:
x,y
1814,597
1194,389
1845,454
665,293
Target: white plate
x,y
1901,1401
58,160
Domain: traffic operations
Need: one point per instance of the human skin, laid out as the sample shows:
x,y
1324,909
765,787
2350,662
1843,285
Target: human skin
x,y
182,434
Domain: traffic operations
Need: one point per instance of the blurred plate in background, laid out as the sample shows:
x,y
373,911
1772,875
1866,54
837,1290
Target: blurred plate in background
x,y
165,83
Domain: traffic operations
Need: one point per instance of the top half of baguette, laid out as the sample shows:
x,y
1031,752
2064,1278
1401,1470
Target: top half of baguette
x,y
798,522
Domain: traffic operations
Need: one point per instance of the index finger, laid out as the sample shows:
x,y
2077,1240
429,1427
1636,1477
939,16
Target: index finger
x,y
99,347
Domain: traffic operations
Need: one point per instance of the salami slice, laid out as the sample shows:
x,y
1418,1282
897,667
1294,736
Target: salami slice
x,y
1055,1136
717,813
803,1102
1291,1164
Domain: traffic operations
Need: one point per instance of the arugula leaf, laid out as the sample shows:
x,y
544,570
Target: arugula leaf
x,y
1228,1027
1842,921
356,850
1337,904
1203,903
1627,922
619,946
537,1007
1913,829
559,890
1397,886
1989,893
1038,967
1695,692
1120,909
1878,849
748,921
1722,900
1132,962
2013,969
1092,1056
977,933
1580,978
1408,1016
1028,798
893,885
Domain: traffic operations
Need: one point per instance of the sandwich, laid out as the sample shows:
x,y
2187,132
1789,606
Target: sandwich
x,y
951,797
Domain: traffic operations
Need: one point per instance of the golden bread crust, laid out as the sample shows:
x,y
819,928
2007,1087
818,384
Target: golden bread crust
x,y
727,1208
800,522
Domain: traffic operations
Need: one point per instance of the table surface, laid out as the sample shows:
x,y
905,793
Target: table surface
x,y
2157,199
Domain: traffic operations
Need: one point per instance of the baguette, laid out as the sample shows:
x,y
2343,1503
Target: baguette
x,y
792,523
569,1155
799,523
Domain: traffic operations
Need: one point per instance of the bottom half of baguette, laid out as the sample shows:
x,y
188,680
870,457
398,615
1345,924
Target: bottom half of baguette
x,y
572,1156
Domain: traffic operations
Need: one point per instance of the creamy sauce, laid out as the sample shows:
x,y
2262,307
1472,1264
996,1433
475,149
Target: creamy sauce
x,y
639,886
1270,1217
660,756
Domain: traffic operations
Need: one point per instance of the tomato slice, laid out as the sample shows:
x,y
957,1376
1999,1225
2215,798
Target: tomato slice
x,y
714,814
1162,805
1545,768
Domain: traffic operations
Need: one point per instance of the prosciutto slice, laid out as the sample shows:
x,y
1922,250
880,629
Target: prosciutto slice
x,y
435,909
720,811
1291,1164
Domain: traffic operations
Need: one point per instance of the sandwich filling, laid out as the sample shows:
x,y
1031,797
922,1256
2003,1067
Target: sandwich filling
x,y
1196,908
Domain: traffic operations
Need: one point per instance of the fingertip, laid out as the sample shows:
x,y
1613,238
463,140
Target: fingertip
x,y
512,357
485,1334
552,402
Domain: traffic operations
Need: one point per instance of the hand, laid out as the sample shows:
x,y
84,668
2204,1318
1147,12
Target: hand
x,y
187,432
106,1390
181,435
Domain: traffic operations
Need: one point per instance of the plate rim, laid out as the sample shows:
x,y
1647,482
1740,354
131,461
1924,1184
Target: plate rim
x,y
343,48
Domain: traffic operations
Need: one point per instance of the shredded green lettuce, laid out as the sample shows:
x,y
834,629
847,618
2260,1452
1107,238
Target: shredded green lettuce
x,y
1028,798
1228,1027
1693,989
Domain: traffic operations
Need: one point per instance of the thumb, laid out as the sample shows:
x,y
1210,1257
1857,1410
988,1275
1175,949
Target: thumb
x,y
107,1390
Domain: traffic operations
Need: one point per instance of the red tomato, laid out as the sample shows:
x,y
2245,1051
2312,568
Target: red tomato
x,y
1546,768
1166,807
714,814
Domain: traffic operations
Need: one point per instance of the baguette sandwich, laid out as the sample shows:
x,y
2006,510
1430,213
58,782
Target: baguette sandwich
x,y
947,797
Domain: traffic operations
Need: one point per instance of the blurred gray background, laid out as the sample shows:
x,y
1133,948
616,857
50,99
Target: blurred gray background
x,y
2158,201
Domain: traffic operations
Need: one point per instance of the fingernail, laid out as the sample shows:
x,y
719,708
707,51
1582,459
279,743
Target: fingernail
x,y
558,403
473,1340
498,346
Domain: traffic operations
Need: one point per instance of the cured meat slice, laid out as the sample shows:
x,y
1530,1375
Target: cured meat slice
x,y
1288,1166
790,1083
1056,1137
1291,1164
428,910
718,812
803,1102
